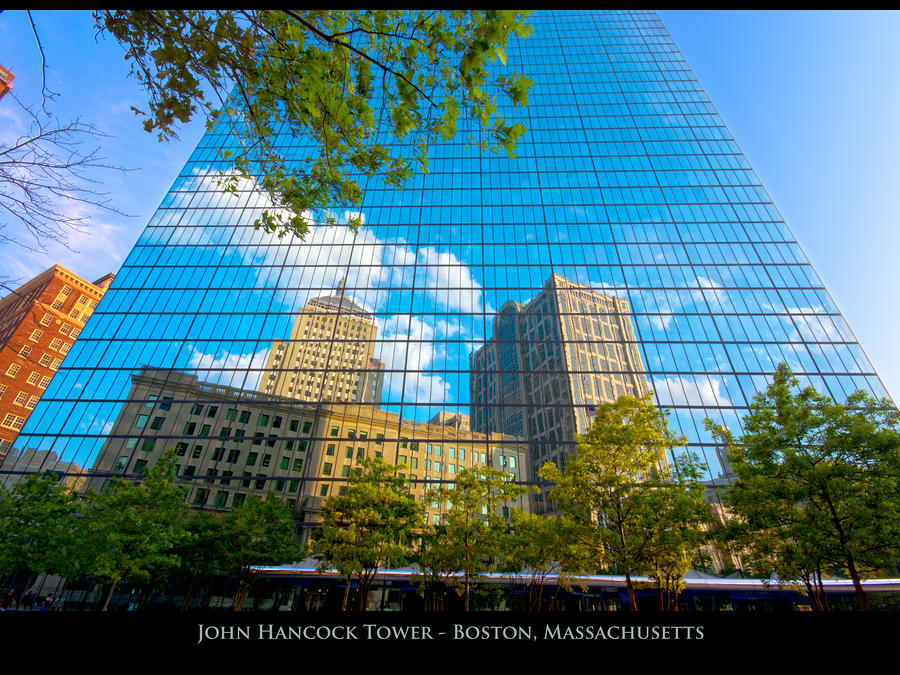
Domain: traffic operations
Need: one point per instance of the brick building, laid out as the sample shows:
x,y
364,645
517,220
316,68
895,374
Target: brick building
x,y
39,322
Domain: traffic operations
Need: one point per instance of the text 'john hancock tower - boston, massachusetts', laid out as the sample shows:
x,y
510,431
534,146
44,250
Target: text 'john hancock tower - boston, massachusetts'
x,y
480,315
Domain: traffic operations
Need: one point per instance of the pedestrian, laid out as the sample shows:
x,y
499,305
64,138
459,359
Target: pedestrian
x,y
29,601
48,604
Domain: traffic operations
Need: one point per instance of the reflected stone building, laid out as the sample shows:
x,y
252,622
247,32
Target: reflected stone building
x,y
231,443
27,462
551,362
330,355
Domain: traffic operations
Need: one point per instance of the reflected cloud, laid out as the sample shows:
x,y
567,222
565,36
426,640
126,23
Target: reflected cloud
x,y
449,282
408,345
331,252
691,390
227,368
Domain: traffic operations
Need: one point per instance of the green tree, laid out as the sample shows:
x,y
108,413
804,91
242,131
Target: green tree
x,y
372,89
259,532
469,535
821,475
772,552
676,519
37,528
610,485
433,558
132,529
369,527
200,555
541,546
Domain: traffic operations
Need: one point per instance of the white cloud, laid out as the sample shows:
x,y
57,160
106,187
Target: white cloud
x,y
449,282
407,344
331,252
96,249
712,292
693,390
661,321
448,329
227,368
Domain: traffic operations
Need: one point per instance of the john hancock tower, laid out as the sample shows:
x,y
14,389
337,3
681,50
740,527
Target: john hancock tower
x,y
628,248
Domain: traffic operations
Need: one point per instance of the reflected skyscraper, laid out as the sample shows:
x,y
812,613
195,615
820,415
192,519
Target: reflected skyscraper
x,y
628,194
551,362
329,356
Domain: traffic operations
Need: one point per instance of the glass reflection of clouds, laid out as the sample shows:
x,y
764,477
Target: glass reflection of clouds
x,y
627,184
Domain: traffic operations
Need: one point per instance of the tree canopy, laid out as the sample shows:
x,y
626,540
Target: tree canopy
x,y
259,532
636,512
370,89
468,537
132,530
817,483
540,546
36,526
370,526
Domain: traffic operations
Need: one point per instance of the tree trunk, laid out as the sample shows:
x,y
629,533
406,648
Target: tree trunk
x,y
363,593
242,592
29,582
632,602
813,592
346,594
240,597
146,595
187,594
554,602
108,596
823,599
860,593
851,565
58,605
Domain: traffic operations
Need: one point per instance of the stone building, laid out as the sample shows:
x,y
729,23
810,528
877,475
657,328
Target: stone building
x,y
230,443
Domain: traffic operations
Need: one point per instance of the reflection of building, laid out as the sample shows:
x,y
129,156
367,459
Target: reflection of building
x,y
330,354
39,321
551,362
455,420
231,443
42,461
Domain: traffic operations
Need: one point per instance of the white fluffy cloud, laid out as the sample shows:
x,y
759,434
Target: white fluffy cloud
x,y
242,370
331,252
407,348
449,282
693,390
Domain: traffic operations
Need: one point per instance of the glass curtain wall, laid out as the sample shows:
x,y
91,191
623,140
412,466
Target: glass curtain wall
x,y
480,314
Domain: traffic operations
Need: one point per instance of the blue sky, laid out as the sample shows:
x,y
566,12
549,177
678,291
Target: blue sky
x,y
811,97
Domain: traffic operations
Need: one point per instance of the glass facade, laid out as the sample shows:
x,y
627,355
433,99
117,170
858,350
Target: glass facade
x,y
484,309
